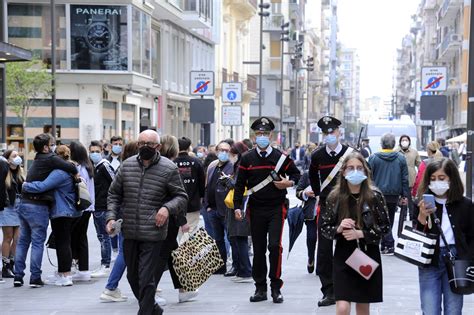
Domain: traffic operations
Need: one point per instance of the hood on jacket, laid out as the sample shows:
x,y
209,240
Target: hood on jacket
x,y
388,156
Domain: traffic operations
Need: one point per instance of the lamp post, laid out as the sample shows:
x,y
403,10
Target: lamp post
x,y
470,111
309,67
297,57
284,38
53,68
263,6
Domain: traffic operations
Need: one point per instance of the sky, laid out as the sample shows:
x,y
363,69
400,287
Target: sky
x,y
375,28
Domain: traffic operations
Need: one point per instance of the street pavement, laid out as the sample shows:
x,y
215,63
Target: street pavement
x,y
218,295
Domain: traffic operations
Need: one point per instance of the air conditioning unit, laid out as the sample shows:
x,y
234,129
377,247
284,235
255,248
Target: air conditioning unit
x,y
455,38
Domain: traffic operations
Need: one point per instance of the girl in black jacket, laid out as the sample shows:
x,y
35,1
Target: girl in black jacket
x,y
441,178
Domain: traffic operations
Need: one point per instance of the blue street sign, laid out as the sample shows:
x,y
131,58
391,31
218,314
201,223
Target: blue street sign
x,y
231,95
200,88
436,84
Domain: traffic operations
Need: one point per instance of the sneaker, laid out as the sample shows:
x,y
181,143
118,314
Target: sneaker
x,y
112,296
186,296
63,281
18,282
51,279
243,280
388,251
36,283
81,276
160,301
101,272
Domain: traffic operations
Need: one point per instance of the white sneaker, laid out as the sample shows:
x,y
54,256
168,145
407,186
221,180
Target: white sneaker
x,y
243,280
101,272
81,276
113,296
51,279
161,301
187,296
63,281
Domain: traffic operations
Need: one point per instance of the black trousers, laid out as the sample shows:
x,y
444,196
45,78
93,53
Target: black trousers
x,y
267,222
169,244
79,242
141,259
62,234
324,259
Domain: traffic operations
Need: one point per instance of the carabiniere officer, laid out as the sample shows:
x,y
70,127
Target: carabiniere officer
x,y
266,207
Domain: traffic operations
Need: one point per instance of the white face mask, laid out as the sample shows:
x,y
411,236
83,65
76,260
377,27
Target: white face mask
x,y
439,187
405,144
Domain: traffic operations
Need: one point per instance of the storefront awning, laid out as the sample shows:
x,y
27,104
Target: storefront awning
x,y
9,53
460,138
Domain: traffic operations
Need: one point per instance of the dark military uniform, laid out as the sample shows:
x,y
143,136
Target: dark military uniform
x,y
323,161
266,209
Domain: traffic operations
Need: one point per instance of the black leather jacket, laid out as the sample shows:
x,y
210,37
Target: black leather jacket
x,y
376,222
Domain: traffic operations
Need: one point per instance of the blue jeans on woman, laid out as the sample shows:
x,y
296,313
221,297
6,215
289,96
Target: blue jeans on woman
x,y
240,256
434,287
34,220
118,269
103,237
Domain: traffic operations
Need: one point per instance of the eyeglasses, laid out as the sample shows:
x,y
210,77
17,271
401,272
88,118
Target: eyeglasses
x,y
148,144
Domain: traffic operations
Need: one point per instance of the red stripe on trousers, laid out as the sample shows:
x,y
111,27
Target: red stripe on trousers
x,y
278,271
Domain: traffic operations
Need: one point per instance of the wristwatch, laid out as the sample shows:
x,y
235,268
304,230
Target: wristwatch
x,y
100,37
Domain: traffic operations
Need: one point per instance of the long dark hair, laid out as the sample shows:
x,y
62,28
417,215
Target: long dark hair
x,y
18,172
80,156
340,193
238,148
456,188
129,150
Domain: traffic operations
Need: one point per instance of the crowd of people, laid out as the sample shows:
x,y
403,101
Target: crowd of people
x,y
147,198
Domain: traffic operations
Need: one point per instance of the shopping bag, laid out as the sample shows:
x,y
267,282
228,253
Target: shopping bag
x,y
415,247
196,260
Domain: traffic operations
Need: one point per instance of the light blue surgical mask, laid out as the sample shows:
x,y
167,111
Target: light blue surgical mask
x,y
17,161
200,155
263,141
95,157
355,177
223,156
331,139
117,149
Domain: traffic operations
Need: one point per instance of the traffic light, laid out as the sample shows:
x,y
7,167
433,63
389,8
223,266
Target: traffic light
x,y
263,7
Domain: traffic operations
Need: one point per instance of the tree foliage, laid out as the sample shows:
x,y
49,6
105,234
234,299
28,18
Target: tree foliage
x,y
26,81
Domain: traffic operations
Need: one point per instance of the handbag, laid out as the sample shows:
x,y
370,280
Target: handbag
x,y
196,260
309,209
362,263
83,198
229,198
416,247
460,271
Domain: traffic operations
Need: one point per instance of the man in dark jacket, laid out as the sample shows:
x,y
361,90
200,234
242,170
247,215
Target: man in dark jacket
x,y
34,210
192,174
147,189
297,154
103,176
390,174
267,206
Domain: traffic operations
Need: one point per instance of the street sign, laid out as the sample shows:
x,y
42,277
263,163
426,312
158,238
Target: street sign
x,y
201,83
201,110
232,92
434,79
232,115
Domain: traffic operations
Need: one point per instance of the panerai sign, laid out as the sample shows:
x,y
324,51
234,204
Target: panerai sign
x,y
98,11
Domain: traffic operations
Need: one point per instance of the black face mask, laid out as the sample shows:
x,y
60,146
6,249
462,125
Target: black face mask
x,y
146,153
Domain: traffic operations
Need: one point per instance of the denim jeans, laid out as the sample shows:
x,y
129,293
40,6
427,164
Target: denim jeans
x,y
219,228
103,237
434,288
311,238
240,256
388,241
34,221
119,267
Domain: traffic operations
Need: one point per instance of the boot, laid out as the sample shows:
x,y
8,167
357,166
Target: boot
x,y
12,266
6,272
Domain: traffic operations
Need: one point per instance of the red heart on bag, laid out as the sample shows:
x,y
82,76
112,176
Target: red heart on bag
x,y
365,270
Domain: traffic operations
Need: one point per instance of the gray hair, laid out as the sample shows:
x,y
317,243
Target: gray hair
x,y
387,141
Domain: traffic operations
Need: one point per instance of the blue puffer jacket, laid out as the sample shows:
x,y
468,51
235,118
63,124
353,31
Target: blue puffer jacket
x,y
390,173
64,193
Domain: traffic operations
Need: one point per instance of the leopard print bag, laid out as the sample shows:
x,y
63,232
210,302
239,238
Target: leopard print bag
x,y
196,260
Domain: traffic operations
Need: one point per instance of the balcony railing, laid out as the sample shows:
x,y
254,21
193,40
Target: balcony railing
x,y
274,22
448,47
198,13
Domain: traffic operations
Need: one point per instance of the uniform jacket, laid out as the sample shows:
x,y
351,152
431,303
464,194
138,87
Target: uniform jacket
x,y
461,216
139,192
390,173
